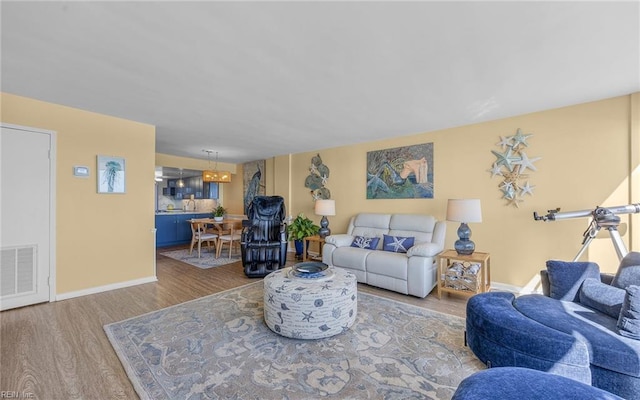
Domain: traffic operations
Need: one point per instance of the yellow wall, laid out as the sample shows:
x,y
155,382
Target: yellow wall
x,y
102,239
590,156
586,162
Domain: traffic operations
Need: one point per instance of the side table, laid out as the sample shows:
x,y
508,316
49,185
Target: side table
x,y
305,243
447,257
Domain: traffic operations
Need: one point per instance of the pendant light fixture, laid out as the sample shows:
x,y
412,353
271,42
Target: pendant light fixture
x,y
180,181
213,175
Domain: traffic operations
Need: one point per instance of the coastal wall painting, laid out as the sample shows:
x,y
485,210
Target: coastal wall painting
x,y
111,174
253,179
401,173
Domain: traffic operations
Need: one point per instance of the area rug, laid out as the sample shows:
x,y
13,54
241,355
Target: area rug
x,y
218,347
207,258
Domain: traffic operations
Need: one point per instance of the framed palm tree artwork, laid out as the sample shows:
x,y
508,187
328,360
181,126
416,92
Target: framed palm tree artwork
x,y
111,174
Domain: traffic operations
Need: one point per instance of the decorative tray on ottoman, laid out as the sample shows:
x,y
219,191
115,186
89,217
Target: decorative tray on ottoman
x,y
310,270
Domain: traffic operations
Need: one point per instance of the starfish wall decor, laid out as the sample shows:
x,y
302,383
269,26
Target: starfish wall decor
x,y
511,164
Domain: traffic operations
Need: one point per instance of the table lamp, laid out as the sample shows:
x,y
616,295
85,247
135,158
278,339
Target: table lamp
x,y
464,211
324,208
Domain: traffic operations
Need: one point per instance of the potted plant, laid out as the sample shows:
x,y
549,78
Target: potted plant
x,y
219,212
300,228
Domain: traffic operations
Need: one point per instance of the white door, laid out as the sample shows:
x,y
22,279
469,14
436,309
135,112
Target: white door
x,y
25,216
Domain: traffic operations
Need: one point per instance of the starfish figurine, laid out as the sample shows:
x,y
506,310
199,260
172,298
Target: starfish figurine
x,y
508,193
527,189
507,185
505,141
525,162
313,169
515,201
505,159
495,170
514,175
520,139
324,180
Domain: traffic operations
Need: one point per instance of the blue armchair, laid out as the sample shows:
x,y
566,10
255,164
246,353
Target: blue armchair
x,y
573,330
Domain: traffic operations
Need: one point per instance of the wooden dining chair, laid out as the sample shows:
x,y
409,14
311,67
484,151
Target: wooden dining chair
x,y
200,234
230,235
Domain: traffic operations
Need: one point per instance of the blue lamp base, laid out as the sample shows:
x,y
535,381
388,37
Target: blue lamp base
x,y
464,246
324,230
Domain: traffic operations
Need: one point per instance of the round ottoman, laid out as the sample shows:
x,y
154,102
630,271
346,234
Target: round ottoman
x,y
310,308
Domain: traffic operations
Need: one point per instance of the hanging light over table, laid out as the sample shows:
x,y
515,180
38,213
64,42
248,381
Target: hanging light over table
x,y
213,175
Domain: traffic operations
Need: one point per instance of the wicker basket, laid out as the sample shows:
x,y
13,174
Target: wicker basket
x,y
463,276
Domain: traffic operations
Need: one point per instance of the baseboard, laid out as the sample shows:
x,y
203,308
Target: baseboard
x,y
505,287
105,288
518,290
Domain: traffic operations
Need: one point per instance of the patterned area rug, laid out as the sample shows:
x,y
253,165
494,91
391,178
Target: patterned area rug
x,y
218,347
207,258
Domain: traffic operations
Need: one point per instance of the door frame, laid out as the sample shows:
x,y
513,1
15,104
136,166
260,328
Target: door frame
x,y
52,199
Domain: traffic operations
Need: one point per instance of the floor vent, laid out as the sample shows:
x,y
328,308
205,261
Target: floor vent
x,y
17,271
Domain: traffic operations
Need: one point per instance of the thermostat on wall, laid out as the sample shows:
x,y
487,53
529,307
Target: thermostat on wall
x,y
80,170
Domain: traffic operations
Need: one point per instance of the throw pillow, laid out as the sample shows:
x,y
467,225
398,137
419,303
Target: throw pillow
x,y
365,242
602,297
565,278
397,244
629,320
628,272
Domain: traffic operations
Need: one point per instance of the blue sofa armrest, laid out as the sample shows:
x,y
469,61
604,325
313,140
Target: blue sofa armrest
x,y
500,336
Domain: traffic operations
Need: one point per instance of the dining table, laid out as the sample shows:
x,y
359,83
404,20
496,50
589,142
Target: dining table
x,y
226,226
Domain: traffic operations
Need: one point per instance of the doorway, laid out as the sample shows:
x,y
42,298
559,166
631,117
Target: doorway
x,y
27,216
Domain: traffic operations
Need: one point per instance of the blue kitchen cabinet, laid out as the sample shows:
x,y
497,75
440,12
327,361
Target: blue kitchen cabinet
x,y
173,229
210,190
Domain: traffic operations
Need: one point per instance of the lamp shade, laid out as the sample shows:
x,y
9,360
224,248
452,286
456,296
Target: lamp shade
x,y
325,207
464,210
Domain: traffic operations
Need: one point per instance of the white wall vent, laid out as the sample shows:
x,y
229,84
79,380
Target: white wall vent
x,y
18,271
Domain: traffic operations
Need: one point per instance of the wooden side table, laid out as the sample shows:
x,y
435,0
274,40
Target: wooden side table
x,y
314,238
447,257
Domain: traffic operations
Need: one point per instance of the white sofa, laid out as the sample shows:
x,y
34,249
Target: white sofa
x,y
413,272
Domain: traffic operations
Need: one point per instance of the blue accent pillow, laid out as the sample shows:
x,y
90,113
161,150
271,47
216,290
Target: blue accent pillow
x,y
397,244
602,297
365,242
628,272
629,320
565,278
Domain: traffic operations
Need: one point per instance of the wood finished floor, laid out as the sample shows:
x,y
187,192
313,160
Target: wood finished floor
x,y
60,351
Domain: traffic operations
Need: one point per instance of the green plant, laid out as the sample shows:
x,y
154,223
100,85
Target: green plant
x,y
219,211
302,227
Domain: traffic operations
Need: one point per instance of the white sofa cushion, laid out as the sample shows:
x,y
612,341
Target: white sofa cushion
x,y
370,225
387,263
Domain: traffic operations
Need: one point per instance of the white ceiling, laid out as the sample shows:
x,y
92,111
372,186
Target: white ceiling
x,y
252,80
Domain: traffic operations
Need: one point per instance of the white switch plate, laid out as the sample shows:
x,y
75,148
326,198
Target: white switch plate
x,y
81,171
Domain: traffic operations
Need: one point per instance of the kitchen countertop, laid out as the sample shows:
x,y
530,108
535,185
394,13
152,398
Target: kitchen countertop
x,y
172,212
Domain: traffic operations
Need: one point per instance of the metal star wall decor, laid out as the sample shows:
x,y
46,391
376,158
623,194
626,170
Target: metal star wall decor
x,y
317,179
510,165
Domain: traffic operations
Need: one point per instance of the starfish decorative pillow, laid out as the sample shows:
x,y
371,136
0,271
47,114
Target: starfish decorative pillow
x,y
397,244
